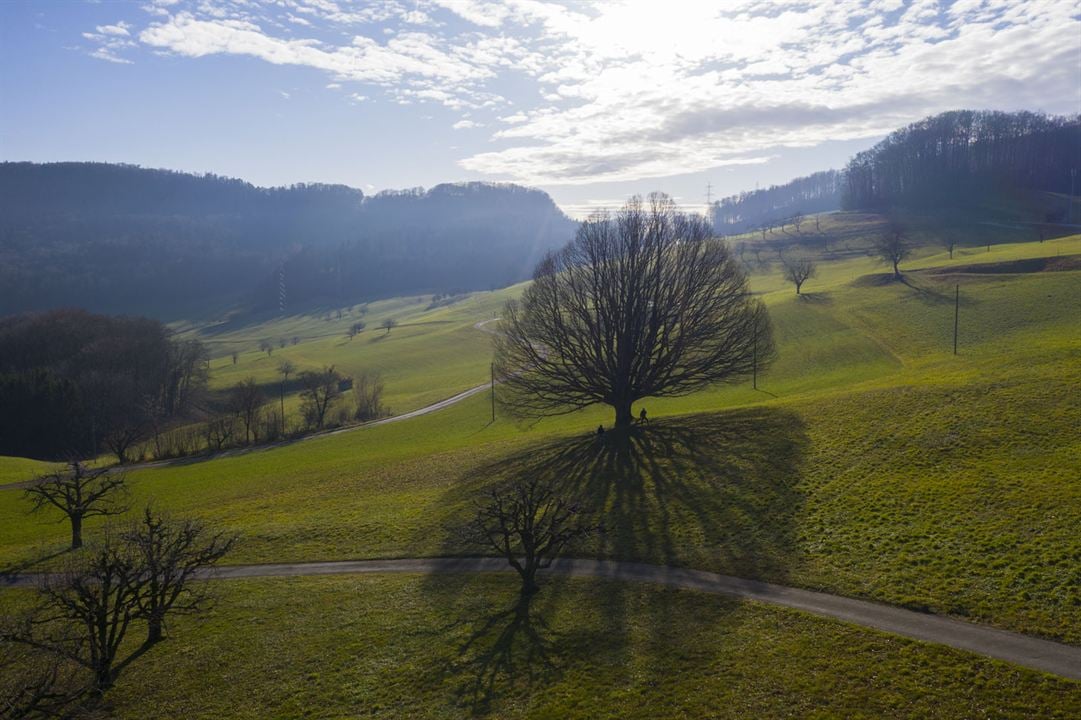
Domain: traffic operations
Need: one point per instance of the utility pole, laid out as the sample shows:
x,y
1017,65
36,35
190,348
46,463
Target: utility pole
x,y
956,313
492,366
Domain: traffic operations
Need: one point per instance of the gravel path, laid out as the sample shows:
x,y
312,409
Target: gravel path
x,y
1032,652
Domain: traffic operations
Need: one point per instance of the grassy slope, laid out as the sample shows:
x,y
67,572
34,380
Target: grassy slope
x,y
431,355
886,440
873,462
450,646
17,469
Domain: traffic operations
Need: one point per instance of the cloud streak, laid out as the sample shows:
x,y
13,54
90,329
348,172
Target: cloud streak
x,y
632,89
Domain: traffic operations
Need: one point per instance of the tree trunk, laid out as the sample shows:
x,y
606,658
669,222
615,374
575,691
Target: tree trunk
x,y
624,418
896,271
154,631
76,532
103,678
529,581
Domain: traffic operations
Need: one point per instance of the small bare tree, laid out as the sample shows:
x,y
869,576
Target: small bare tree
x,y
643,304
218,431
267,347
246,402
87,609
797,220
948,241
321,389
798,270
892,245
389,324
170,554
368,392
529,524
80,493
236,356
355,328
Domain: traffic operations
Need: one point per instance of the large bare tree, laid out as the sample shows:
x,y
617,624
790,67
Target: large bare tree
x,y
170,555
645,303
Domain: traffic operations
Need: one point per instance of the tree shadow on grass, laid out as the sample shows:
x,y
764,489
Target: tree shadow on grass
x,y
713,491
509,650
816,298
925,291
10,573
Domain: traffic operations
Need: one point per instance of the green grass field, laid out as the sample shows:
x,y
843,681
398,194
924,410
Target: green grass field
x,y
431,355
871,462
417,646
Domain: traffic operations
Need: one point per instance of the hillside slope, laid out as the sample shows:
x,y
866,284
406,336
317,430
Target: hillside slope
x,y
119,238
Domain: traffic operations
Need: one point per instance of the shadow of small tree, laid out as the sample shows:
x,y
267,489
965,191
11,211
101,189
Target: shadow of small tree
x,y
816,298
512,650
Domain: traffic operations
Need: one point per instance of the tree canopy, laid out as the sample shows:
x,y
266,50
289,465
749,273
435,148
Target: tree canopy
x,y
643,303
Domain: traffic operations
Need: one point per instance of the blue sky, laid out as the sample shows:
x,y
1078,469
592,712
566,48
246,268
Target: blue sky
x,y
591,101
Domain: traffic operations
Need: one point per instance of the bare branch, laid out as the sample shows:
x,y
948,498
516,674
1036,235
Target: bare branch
x,y
642,304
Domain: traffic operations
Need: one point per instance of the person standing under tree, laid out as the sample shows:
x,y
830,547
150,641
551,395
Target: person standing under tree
x,y
642,419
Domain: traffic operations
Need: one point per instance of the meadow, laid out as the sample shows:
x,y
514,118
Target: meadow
x,y
870,462
455,646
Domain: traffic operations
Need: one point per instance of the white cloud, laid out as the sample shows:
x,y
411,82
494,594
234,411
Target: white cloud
x,y
623,89
120,29
104,54
514,119
466,125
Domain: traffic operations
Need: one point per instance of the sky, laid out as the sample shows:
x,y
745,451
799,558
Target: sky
x,y
590,101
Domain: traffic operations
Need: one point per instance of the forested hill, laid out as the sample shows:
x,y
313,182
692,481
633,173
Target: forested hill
x,y
961,157
820,192
120,238
951,160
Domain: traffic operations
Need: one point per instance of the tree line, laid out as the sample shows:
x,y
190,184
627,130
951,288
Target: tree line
x,y
74,384
956,157
816,193
113,238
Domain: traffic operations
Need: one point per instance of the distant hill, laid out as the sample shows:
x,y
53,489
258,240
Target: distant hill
x,y
120,238
959,158
820,192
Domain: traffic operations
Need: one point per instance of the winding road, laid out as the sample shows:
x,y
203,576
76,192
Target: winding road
x,y
1025,650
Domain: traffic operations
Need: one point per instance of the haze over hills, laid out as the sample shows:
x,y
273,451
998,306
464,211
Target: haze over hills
x,y
121,238
950,160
